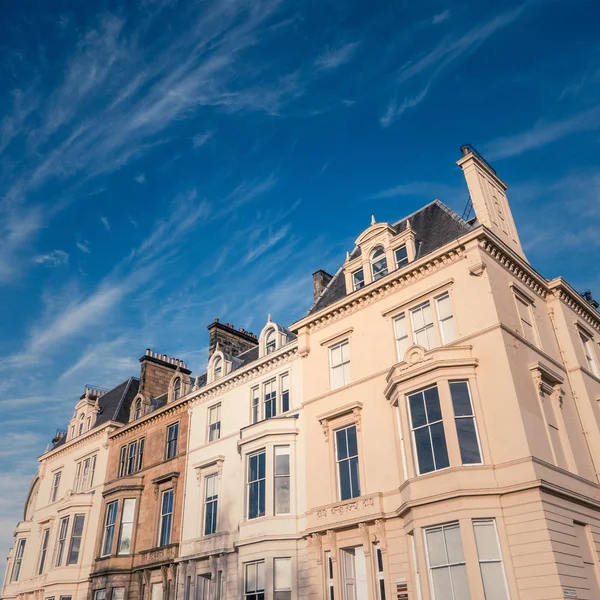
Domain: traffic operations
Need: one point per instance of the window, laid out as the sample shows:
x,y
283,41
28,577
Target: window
x,y
203,587
124,545
90,482
329,576
285,392
445,318
123,461
88,424
77,477
55,486
84,475
255,405
131,458
358,279
401,257
526,318
177,388
270,399
589,353
446,561
172,433
100,594
166,518
117,593
464,420
379,266
282,578
60,542
347,462
44,550
256,484
379,576
141,447
254,581
282,480
81,424
339,356
211,500
490,560
16,571
401,335
138,409
270,342
218,368
75,544
428,430
422,324
214,423
109,527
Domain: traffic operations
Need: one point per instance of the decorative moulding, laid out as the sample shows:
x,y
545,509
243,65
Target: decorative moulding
x,y
477,269
354,408
337,336
420,296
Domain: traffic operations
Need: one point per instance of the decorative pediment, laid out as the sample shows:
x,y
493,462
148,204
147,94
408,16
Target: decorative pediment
x,y
379,232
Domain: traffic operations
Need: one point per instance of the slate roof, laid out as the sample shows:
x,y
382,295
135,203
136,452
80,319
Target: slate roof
x,y
435,225
114,405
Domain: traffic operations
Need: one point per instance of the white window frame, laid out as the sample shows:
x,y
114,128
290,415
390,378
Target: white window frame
x,y
18,562
588,351
284,392
257,593
44,550
471,416
373,260
428,328
379,571
357,283
258,481
213,432
343,366
172,426
212,500
163,515
271,341
55,486
347,459
280,590
282,450
396,250
61,540
447,319
218,368
499,560
98,594
530,321
109,528
402,338
255,405
270,398
73,538
126,528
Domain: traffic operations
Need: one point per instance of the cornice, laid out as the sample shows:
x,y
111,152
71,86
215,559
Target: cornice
x,y
566,294
382,288
77,442
240,376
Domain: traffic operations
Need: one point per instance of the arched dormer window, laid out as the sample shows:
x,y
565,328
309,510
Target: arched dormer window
x,y
81,424
177,389
138,409
379,266
270,342
218,368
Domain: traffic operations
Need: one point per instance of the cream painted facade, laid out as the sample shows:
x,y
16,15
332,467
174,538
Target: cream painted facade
x,y
58,532
430,430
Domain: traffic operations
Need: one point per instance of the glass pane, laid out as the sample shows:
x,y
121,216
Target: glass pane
x,y
461,400
128,508
487,540
453,544
283,574
338,377
354,477
442,587
250,578
435,547
467,440
440,452
345,487
340,439
417,318
448,330
282,460
78,525
443,305
118,593
401,256
432,402
345,352
261,498
422,339
282,495
253,468
417,410
400,326
260,578
346,373
494,583
426,312
336,355
352,447
460,582
424,453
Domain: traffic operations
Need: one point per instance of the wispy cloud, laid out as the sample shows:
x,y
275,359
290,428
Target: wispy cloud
x,y
201,138
105,223
52,259
140,178
395,110
416,188
441,17
542,134
84,246
336,57
265,243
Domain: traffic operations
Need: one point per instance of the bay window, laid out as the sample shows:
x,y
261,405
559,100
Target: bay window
x,y
282,480
127,516
61,540
76,535
464,420
254,580
490,560
256,484
109,527
16,570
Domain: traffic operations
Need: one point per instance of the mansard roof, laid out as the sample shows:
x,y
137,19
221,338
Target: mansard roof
x,y
435,225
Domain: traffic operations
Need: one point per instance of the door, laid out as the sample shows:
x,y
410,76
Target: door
x,y
354,574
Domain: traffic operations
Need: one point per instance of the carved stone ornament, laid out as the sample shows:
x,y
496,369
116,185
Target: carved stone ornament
x,y
332,542
380,536
363,528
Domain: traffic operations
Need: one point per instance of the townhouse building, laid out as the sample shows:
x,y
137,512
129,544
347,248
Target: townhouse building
x,y
54,547
429,430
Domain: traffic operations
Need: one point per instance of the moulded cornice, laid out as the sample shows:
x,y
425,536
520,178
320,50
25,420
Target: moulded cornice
x,y
566,294
76,442
418,362
240,376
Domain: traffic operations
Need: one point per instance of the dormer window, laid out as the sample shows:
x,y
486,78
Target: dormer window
x,y
218,368
177,389
379,267
401,256
81,423
270,342
138,409
358,279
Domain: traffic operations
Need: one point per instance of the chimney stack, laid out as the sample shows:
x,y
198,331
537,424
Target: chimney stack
x,y
232,341
320,280
157,371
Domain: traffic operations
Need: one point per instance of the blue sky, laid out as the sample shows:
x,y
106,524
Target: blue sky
x,y
165,162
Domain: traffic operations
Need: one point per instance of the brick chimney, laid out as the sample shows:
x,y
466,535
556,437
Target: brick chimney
x,y
157,371
232,341
320,280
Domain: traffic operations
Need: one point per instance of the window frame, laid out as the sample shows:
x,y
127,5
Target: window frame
x,y
70,560
429,326
588,352
270,341
500,560
358,283
347,459
218,368
174,441
55,486
284,392
379,571
269,398
344,365
472,416
176,389
398,339
404,261
257,482
44,550
329,575
374,258
255,404
108,529
137,410
257,593
163,517
278,591
445,296
213,426
527,302
281,476
213,501
18,562
61,538
124,525
122,461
